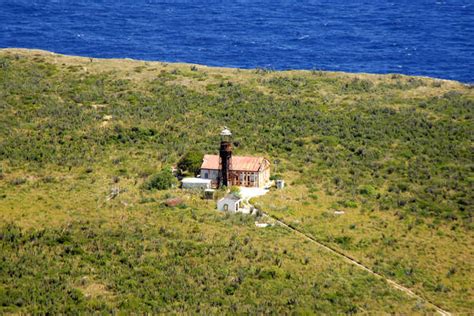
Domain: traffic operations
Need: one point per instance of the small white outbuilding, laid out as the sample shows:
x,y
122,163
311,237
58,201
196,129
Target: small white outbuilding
x,y
280,184
229,203
196,183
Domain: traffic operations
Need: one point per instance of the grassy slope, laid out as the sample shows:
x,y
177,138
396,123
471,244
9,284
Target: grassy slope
x,y
394,152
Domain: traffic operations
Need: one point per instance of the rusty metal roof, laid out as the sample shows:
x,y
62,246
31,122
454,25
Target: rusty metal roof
x,y
239,163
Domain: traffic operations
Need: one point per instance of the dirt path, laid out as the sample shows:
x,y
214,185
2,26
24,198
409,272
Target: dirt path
x,y
360,265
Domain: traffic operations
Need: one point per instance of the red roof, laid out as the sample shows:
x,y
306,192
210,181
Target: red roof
x,y
239,163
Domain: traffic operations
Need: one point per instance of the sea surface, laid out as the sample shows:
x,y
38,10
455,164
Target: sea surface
x,y
417,37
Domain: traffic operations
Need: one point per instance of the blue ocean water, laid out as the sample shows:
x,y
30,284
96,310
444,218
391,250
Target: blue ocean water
x,y
420,37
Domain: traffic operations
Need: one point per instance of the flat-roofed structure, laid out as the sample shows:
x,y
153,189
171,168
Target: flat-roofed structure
x,y
229,203
196,183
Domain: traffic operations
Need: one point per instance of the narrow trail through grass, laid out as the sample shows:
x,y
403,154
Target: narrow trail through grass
x,y
360,265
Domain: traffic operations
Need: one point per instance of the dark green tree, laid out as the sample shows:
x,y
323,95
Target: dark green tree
x,y
191,162
161,181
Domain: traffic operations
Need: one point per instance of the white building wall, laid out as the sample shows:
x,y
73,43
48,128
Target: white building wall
x,y
264,177
196,184
232,205
209,174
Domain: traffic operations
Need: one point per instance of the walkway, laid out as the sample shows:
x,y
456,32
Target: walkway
x,y
360,265
248,193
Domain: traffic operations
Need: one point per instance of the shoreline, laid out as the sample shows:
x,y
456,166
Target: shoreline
x,y
263,69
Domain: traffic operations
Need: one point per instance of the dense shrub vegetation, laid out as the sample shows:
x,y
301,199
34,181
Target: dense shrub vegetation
x,y
175,266
393,151
161,181
343,138
191,162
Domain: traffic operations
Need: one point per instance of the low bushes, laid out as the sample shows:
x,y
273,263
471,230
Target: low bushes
x,y
161,181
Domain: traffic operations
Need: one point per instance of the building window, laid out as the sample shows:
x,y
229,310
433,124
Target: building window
x,y
226,207
206,175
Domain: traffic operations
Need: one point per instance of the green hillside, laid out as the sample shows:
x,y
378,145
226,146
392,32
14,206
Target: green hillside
x,y
395,153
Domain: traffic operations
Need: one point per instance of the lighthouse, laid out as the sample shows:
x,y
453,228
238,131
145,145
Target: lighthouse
x,y
228,170
225,157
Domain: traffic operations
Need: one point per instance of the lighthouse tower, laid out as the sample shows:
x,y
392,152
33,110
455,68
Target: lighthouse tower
x,y
225,157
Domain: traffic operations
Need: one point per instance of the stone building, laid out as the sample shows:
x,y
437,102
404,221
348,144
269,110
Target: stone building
x,y
226,169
